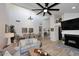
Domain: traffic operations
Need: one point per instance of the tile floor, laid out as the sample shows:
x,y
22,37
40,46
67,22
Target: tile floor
x,y
58,48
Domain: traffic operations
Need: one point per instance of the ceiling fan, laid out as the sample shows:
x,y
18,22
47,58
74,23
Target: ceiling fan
x,y
46,9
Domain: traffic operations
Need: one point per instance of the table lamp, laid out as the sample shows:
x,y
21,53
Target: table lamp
x,y
9,35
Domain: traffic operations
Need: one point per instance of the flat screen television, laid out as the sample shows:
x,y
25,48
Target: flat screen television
x,y
72,24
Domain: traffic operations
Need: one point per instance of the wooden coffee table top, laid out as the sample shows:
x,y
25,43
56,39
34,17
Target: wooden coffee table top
x,y
33,53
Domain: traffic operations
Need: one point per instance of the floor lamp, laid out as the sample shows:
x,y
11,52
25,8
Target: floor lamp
x,y
9,35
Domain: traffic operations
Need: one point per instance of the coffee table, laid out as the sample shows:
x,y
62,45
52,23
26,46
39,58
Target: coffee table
x,y
34,52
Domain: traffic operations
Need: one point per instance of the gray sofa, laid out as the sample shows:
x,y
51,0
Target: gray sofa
x,y
26,44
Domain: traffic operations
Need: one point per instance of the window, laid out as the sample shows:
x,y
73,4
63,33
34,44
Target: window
x,y
30,30
24,30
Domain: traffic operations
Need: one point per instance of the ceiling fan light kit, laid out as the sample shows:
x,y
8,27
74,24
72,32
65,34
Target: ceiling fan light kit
x,y
46,8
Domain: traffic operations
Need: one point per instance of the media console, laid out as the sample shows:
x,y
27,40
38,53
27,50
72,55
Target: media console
x,y
72,40
70,32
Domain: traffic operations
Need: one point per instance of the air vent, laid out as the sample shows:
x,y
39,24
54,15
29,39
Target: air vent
x,y
17,20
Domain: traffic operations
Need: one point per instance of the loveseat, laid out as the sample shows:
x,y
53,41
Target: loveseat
x,y
14,50
26,44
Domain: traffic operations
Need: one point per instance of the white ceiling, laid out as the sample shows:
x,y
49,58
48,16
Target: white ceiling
x,y
64,7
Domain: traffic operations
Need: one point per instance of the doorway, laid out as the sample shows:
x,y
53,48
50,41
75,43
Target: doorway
x,y
40,33
60,33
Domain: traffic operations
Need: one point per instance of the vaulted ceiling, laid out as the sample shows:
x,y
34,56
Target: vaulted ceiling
x,y
64,7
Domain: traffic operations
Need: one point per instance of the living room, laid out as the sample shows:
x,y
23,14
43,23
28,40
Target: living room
x,y
41,31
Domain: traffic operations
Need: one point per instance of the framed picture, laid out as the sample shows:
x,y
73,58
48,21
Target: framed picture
x,y
52,29
30,30
24,30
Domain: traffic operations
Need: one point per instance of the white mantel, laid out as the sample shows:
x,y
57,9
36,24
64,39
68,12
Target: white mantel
x,y
72,32
9,35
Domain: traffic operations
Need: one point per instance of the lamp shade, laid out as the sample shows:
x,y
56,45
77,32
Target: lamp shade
x,y
8,35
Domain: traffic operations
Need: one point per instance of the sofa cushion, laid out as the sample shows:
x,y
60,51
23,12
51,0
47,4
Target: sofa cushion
x,y
22,42
27,41
30,41
34,40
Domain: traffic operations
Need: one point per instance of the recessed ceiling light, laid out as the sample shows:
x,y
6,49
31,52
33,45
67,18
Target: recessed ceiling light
x,y
73,7
45,10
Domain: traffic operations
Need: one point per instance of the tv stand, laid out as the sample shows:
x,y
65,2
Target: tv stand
x,y
72,40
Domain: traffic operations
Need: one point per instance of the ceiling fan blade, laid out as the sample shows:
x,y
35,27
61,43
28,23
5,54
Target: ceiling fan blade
x,y
53,5
46,4
43,13
49,13
36,9
54,9
39,12
39,5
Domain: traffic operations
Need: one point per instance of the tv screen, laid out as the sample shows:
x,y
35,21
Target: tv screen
x,y
72,24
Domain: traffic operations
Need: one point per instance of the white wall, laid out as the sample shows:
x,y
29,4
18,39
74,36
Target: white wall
x,y
67,16
3,20
53,24
19,13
